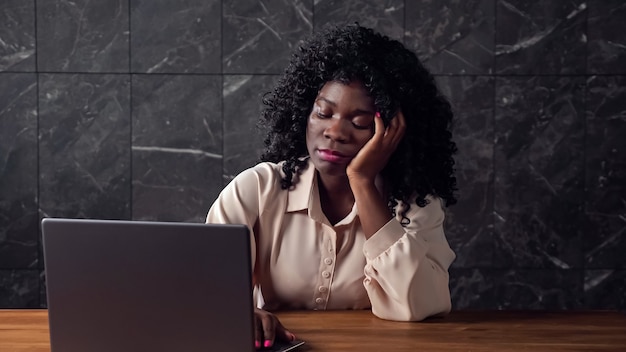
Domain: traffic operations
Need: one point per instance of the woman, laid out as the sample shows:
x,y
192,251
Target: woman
x,y
346,209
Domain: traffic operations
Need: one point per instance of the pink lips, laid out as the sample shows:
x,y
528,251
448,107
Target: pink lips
x,y
332,156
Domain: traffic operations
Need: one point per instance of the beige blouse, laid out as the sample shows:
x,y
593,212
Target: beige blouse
x,y
301,261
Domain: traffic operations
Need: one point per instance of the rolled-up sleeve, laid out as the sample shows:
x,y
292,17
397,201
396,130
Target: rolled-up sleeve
x,y
406,271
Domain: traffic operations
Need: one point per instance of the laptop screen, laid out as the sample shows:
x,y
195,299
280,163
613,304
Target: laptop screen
x,y
147,286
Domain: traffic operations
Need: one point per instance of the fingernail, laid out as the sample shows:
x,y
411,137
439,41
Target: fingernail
x,y
377,114
267,343
257,344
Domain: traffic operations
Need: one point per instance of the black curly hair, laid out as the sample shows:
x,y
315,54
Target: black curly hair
x,y
423,162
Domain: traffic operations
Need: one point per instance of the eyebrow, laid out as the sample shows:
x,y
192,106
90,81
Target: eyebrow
x,y
332,103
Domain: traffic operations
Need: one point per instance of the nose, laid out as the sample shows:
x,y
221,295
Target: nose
x,y
336,130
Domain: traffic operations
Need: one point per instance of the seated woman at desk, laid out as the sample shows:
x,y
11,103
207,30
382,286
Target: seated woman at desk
x,y
346,209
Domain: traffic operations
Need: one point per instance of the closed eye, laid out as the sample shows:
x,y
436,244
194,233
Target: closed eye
x,y
362,122
361,127
322,115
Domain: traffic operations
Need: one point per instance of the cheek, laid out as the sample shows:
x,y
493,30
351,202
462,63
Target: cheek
x,y
314,127
364,137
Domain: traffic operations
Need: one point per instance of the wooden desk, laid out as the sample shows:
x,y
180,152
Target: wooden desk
x,y
27,330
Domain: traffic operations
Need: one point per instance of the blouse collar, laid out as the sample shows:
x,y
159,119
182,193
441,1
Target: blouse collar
x,y
304,195
300,194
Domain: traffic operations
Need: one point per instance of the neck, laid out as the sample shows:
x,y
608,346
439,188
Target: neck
x,y
335,186
336,196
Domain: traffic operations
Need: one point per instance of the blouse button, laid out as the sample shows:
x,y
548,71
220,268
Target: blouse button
x,y
319,300
325,274
322,289
328,261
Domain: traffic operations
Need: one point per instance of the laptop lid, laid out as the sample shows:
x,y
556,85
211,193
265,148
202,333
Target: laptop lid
x,y
147,286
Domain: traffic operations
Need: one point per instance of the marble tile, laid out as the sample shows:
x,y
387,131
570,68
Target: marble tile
x,y
19,288
541,37
18,170
452,37
386,17
176,146
606,32
175,36
43,295
539,166
259,36
17,30
605,147
243,141
604,289
82,36
473,289
604,241
469,223
84,146
539,289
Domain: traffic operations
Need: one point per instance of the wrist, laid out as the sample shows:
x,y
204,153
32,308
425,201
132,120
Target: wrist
x,y
361,181
365,190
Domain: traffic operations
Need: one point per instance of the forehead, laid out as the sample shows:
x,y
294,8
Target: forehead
x,y
353,94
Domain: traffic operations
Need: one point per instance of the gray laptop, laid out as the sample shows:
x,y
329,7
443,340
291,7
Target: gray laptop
x,y
148,286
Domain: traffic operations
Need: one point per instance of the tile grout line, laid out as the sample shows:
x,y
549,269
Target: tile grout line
x,y
130,114
40,264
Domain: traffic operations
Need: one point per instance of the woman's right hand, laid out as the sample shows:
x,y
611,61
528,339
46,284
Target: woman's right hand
x,y
267,328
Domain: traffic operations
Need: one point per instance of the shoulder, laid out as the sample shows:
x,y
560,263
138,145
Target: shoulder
x,y
262,177
264,169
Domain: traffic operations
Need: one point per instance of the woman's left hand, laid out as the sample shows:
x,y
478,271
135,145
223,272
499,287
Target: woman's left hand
x,y
373,157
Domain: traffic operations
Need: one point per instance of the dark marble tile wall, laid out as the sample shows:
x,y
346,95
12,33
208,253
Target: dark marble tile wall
x,y
470,222
18,171
82,36
176,146
258,36
243,141
605,235
174,36
538,161
386,16
128,109
452,37
17,30
546,37
84,145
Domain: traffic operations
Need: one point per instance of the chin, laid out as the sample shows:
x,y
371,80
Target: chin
x,y
328,168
